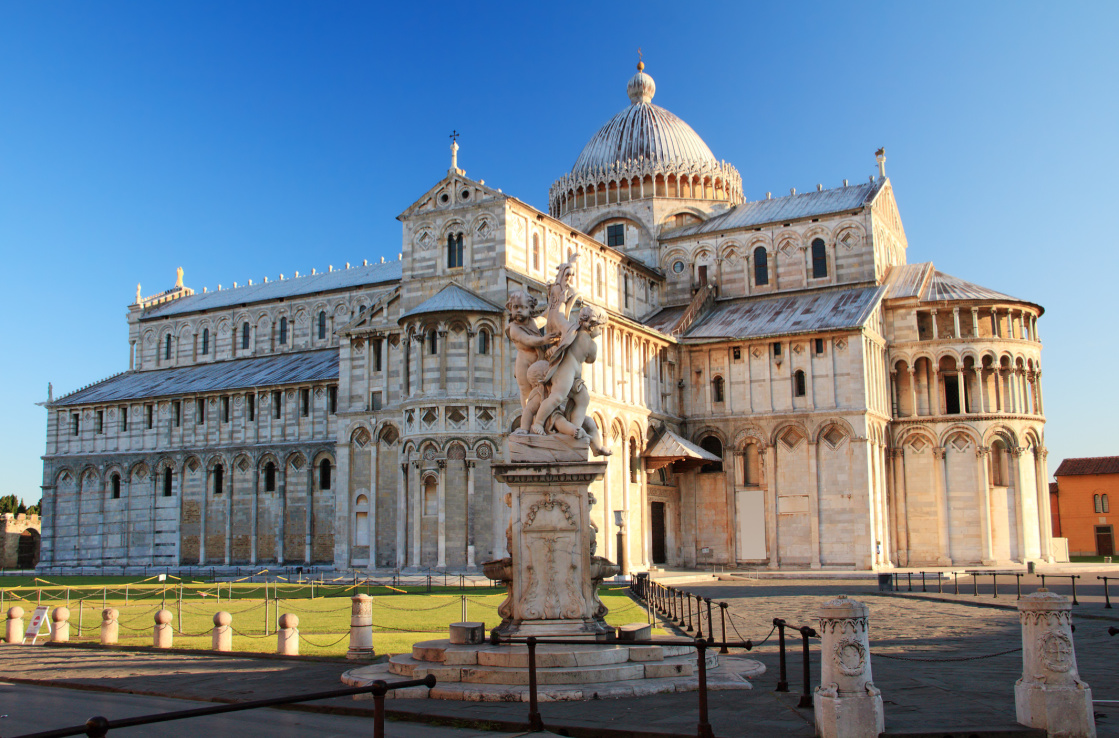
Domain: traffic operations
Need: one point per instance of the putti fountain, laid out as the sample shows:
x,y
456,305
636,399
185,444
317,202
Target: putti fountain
x,y
552,574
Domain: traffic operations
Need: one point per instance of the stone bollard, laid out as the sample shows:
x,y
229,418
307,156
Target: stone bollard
x,y
361,627
846,702
467,633
221,637
110,628
163,634
14,632
287,637
1050,694
60,625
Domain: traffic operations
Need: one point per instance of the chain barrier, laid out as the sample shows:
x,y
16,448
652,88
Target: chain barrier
x,y
328,645
895,657
249,635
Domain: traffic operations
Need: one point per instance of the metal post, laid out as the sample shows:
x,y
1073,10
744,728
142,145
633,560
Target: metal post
x,y
704,727
535,723
995,582
1106,595
698,616
379,689
711,624
125,594
975,582
806,698
723,621
1043,581
81,603
464,608
783,679
939,583
1074,577
689,599
923,582
956,579
1018,582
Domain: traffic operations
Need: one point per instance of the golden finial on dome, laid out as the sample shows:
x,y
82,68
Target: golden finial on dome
x,y
640,64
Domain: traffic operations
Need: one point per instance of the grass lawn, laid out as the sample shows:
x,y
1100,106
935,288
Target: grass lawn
x,y
401,616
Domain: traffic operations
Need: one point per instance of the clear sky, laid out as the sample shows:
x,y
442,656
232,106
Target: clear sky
x,y
247,139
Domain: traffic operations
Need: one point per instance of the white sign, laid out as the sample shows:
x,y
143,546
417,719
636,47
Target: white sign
x,y
37,621
163,577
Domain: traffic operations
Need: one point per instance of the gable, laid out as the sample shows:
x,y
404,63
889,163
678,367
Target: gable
x,y
453,191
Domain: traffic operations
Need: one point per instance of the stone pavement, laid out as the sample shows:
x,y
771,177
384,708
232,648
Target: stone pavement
x,y
931,697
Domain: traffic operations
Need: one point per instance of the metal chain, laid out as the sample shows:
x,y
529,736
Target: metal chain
x,y
328,645
950,659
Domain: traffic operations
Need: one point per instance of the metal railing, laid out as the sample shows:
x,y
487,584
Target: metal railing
x,y
98,726
1106,593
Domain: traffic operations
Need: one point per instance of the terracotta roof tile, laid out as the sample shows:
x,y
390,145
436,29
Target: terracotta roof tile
x,y
1090,465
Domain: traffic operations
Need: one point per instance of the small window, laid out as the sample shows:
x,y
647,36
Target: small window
x,y
269,477
75,424
377,349
761,267
149,416
250,406
798,383
431,497
277,404
432,342
219,479
246,333
717,390
200,411
678,266
176,413
776,349
713,446
751,466
123,409
536,251
1098,502
304,402
616,235
283,331
375,401
819,259
322,325
332,399
454,250
737,353
100,422
116,486
324,474
167,348
168,479
225,409
819,345
1106,506
205,341
483,341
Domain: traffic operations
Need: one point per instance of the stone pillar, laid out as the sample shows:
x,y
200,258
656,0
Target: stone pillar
x,y
110,628
441,497
287,637
846,703
221,637
983,502
60,625
163,633
371,519
13,633
361,627
771,505
913,412
1050,694
470,518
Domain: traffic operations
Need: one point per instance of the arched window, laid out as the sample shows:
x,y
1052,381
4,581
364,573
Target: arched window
x,y
713,446
717,390
483,341
361,521
798,383
246,333
324,474
454,250
205,341
751,466
283,330
1098,502
761,267
167,348
536,251
432,342
269,477
819,259
998,464
167,478
431,497
1106,507
322,325
219,479
634,461
116,486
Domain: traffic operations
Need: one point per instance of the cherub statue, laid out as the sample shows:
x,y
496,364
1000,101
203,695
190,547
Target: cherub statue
x,y
528,339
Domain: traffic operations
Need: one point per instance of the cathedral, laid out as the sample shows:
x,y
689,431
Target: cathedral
x,y
778,385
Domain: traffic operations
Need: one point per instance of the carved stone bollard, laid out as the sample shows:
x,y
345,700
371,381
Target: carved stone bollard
x,y
221,637
110,628
60,625
287,637
1050,694
13,633
846,702
163,634
361,627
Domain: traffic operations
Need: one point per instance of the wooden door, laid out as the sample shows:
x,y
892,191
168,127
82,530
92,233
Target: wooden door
x,y
656,524
1105,541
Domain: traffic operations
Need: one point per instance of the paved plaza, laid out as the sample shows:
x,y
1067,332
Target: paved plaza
x,y
914,638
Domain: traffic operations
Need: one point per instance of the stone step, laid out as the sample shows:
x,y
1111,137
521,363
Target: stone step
x,y
443,652
406,666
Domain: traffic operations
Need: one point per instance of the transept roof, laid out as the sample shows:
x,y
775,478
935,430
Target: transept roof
x,y
453,299
927,284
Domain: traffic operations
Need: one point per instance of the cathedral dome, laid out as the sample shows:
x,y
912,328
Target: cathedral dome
x,y
645,142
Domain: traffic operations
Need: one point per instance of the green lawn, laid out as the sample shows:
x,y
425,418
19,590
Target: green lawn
x,y
401,616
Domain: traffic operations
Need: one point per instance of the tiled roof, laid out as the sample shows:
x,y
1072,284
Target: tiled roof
x,y
453,299
906,280
946,287
1089,465
308,284
789,207
805,312
262,371
672,446
664,319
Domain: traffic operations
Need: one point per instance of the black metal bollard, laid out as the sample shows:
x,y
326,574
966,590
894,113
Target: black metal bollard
x,y
535,723
975,582
703,730
909,576
995,582
806,699
939,583
1074,577
688,597
956,579
711,623
923,582
723,621
379,690
783,678
698,616
1018,583
1106,594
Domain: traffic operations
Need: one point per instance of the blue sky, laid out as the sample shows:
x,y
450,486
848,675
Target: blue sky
x,y
243,140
